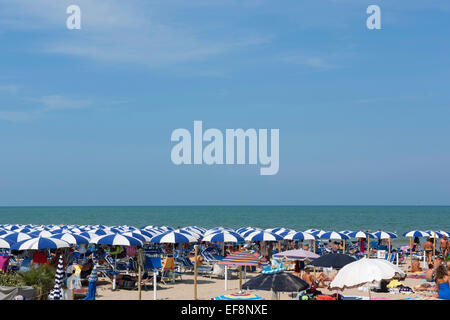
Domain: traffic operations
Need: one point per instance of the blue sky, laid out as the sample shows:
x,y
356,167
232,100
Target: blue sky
x,y
86,115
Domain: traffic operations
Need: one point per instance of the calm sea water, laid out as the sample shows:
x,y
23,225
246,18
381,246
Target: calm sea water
x,y
398,219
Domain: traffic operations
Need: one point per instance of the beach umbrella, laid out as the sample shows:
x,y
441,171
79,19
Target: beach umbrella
x,y
276,282
263,236
116,240
16,237
57,293
218,230
174,237
360,235
297,254
100,232
299,236
238,296
244,258
195,229
333,260
285,233
365,271
276,230
316,232
71,238
413,234
385,235
5,244
224,236
332,235
139,236
444,233
40,243
246,229
193,233
416,233
43,233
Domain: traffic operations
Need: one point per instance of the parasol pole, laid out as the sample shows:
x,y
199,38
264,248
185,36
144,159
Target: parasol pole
x,y
368,247
139,282
240,278
389,249
314,248
434,245
195,271
410,251
226,277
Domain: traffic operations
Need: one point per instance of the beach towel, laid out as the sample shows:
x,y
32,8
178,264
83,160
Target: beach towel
x,y
394,284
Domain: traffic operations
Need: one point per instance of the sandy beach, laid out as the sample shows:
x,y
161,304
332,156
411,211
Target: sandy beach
x,y
212,287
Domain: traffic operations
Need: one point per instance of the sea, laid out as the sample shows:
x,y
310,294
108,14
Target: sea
x,y
397,219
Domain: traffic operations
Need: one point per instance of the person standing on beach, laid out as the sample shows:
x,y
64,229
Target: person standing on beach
x,y
416,244
428,248
443,247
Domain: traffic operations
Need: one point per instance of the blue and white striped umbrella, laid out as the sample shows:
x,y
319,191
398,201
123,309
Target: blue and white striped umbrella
x,y
139,236
360,235
315,232
444,233
71,238
173,237
286,232
5,232
332,235
5,244
91,235
245,229
224,236
275,230
116,240
100,232
299,236
196,229
147,233
16,237
384,235
434,234
192,233
57,293
218,230
250,231
263,236
416,233
40,243
43,233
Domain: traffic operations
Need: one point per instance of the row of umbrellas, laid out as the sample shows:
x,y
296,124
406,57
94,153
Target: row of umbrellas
x,y
23,237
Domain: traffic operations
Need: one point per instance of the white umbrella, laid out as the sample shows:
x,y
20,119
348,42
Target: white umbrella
x,y
365,271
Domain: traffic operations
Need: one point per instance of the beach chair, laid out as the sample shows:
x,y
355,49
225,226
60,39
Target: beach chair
x,y
186,264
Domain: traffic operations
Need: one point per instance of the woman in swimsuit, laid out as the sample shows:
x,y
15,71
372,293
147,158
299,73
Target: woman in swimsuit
x,y
442,283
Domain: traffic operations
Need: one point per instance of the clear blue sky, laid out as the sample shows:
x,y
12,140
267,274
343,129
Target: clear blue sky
x,y
86,115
